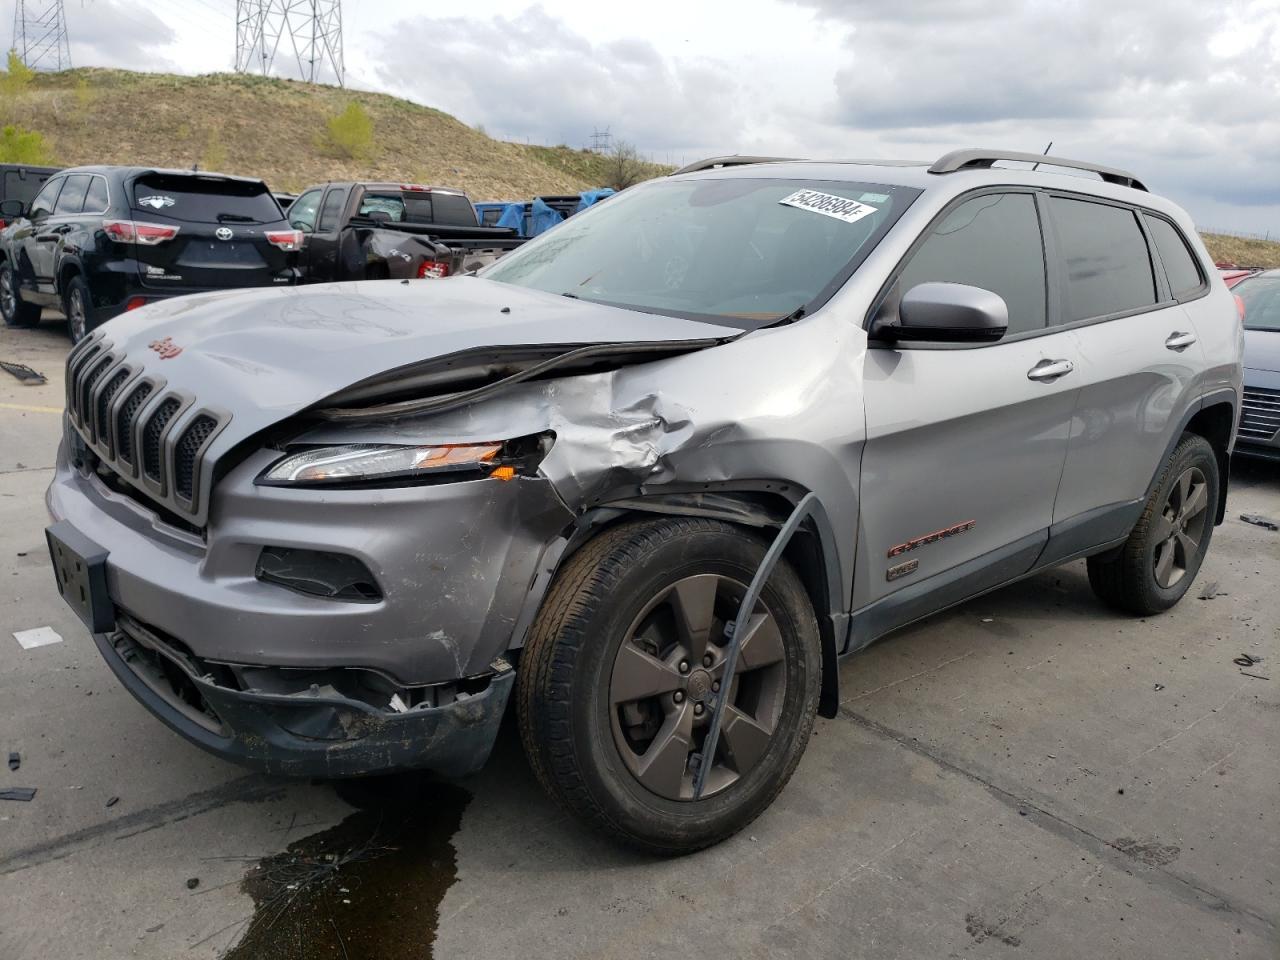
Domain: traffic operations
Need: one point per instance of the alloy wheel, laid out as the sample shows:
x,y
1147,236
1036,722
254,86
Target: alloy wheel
x,y
667,676
1180,528
8,299
76,316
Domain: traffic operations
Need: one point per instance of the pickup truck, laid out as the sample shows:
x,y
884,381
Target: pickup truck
x,y
382,231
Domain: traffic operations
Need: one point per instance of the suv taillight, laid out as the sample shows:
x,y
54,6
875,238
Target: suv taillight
x,y
432,269
135,231
285,239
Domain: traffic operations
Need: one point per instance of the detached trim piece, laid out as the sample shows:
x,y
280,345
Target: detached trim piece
x,y
981,159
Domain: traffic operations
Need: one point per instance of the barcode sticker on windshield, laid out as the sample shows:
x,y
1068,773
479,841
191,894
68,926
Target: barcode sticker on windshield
x,y
829,205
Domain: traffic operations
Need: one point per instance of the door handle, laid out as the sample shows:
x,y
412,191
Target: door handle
x,y
1180,341
1048,370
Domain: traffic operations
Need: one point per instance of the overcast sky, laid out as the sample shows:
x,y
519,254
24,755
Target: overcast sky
x,y
1185,93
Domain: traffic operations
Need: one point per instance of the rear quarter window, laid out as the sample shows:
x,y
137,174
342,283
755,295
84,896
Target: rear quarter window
x,y
1106,263
205,199
95,201
1185,279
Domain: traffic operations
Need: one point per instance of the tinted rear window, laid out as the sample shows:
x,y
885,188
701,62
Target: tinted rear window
x,y
993,242
1179,265
1108,266
450,208
205,200
22,184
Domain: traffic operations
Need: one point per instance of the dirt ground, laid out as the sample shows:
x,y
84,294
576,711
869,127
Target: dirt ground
x,y
1029,775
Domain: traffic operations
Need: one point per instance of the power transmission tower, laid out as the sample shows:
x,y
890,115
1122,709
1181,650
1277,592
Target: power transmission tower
x,y
601,140
309,29
40,34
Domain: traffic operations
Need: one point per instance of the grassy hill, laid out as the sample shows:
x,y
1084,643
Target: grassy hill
x,y
275,129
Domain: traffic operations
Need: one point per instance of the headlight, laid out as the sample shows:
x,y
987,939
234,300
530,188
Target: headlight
x,y
361,463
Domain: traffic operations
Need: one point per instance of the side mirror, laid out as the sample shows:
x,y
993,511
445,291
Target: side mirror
x,y
12,208
948,313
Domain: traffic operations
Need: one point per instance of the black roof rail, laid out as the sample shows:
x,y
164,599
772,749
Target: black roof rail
x,y
737,160
982,159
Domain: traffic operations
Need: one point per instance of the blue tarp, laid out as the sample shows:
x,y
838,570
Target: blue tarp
x,y
512,216
542,218
588,197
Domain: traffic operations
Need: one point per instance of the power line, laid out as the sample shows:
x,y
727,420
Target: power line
x,y
40,34
310,29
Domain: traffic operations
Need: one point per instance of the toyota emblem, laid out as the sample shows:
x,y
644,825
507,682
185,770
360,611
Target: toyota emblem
x,y
223,233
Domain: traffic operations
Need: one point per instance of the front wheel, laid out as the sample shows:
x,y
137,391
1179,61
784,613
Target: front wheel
x,y
1162,556
624,664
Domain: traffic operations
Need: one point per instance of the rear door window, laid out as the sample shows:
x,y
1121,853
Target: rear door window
x,y
993,242
1106,263
331,210
1180,267
71,199
95,201
197,199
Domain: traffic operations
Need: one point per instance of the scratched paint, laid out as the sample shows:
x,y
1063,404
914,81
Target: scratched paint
x,y
369,887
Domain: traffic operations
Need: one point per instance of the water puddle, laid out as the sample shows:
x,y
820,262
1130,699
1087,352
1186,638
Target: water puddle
x,y
369,887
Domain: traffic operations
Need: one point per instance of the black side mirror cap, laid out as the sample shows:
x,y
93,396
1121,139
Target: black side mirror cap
x,y
947,313
12,208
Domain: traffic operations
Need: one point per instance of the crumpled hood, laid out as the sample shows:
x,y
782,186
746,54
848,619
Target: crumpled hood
x,y
1262,350
247,359
282,350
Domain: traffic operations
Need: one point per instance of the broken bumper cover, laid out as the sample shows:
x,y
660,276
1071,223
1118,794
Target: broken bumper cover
x,y
310,734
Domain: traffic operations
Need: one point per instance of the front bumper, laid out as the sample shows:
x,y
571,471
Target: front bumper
x,y
306,734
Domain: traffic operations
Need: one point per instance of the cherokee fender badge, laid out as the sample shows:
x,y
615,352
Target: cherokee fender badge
x,y
165,347
902,569
928,538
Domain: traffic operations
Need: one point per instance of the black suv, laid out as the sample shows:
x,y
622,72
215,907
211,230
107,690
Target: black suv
x,y
97,241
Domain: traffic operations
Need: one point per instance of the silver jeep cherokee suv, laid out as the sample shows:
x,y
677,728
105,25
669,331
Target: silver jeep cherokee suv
x,y
656,471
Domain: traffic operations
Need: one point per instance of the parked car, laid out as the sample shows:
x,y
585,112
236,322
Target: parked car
x,y
21,182
97,241
1259,296
392,231
651,474
1233,275
285,200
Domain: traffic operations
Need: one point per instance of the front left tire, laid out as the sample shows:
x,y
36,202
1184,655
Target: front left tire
x,y
622,668
15,311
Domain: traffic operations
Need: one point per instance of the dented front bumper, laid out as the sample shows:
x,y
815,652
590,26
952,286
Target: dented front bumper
x,y
310,733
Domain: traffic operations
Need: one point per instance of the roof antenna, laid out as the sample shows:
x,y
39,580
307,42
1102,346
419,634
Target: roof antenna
x,y
1036,166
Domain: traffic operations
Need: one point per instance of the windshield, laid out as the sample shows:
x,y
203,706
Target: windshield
x,y
1261,297
745,252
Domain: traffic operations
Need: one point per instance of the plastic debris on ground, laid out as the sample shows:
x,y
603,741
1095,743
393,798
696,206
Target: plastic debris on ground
x,y
15,760
25,375
1259,521
37,637
17,793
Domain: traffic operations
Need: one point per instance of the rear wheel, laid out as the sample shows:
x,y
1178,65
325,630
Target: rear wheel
x,y
15,311
75,304
623,667
1162,556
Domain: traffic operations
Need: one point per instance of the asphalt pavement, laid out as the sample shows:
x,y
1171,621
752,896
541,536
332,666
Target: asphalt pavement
x,y
1029,775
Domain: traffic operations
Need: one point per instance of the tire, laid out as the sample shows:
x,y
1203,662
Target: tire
x,y
1157,564
15,311
75,304
569,684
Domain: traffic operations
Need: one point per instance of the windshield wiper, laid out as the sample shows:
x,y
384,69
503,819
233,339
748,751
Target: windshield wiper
x,y
236,218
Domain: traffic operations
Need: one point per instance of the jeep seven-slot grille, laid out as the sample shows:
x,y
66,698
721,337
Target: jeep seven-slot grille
x,y
125,420
1260,418
184,456
123,416
153,433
